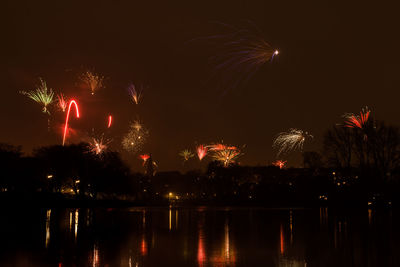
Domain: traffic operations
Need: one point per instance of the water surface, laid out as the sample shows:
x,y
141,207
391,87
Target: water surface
x,y
198,237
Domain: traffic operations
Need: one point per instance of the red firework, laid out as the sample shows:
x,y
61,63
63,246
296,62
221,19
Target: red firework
x,y
109,121
201,151
279,163
357,121
67,117
144,157
217,147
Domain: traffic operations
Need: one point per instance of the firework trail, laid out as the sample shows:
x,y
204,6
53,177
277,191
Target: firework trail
x,y
240,52
357,121
186,155
201,151
98,145
220,146
227,155
41,95
135,138
136,95
61,102
110,118
92,80
291,140
72,102
279,163
144,157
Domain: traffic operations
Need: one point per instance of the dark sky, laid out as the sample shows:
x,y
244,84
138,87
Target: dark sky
x,y
336,57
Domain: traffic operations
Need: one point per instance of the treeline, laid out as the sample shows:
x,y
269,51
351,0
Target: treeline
x,y
71,171
355,166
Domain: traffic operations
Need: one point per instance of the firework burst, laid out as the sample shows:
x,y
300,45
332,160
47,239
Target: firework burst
x,y
186,155
92,80
72,102
240,52
98,146
279,163
357,121
61,102
201,151
41,95
291,140
144,157
135,138
135,94
220,146
227,155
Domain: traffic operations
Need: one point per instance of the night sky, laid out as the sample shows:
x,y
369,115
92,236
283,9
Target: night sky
x,y
335,57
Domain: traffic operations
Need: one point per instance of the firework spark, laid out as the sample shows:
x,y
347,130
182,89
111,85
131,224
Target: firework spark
x,y
137,125
144,157
291,140
135,94
72,102
357,121
214,147
109,121
135,138
220,146
186,155
201,151
240,52
227,155
41,95
93,81
279,163
61,102
98,145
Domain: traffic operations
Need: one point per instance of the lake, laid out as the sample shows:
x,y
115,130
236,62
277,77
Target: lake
x,y
198,236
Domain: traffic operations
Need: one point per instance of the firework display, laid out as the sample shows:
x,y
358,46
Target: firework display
x,y
292,140
135,94
93,81
201,151
98,145
61,102
227,155
186,155
72,102
357,121
110,119
41,95
136,137
240,52
144,157
279,163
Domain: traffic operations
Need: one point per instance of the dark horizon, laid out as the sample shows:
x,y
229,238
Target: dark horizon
x,y
335,57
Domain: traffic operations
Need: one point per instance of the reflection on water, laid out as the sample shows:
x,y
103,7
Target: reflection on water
x,y
76,223
48,214
203,237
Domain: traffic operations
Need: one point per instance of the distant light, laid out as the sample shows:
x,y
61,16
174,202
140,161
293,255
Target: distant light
x,y
276,52
77,181
49,176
